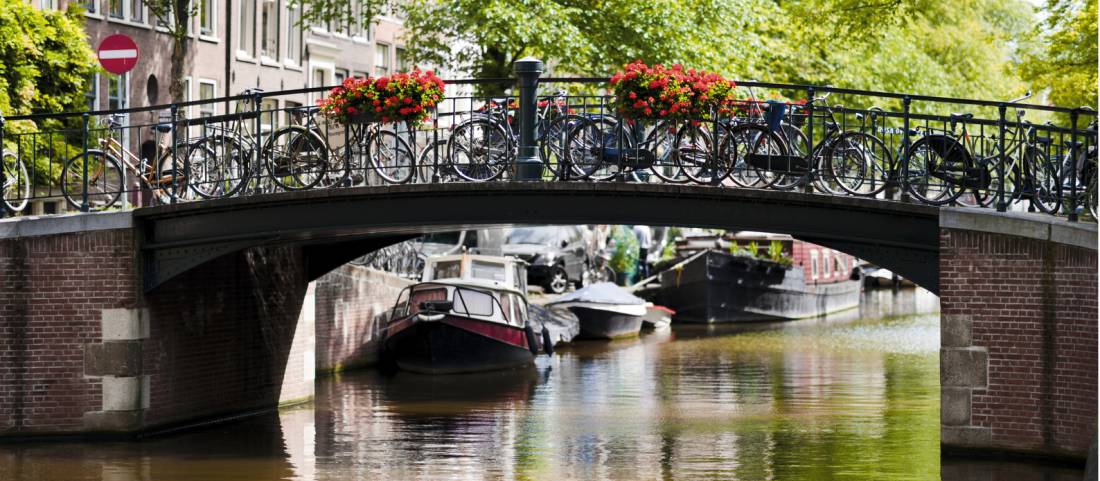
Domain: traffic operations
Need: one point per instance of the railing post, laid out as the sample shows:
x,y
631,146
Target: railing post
x,y
435,147
528,166
84,157
1001,158
1073,164
808,188
256,98
903,158
3,179
175,162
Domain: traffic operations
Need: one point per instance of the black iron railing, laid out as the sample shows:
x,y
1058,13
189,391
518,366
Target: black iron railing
x,y
1008,155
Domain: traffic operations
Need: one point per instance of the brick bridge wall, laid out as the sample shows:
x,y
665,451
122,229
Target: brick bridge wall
x,y
351,302
84,350
1018,303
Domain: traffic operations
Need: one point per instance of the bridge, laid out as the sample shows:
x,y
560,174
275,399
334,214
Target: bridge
x,y
127,322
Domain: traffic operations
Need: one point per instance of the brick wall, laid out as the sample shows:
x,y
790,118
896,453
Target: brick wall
x,y
1019,336
222,337
350,301
53,293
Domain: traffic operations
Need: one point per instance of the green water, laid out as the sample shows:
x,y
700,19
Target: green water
x,y
855,397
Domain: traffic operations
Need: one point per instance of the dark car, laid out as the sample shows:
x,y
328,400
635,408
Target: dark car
x,y
556,254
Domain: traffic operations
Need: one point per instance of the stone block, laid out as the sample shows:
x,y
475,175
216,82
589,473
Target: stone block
x,y
113,358
955,330
955,406
966,436
124,324
113,421
964,367
123,393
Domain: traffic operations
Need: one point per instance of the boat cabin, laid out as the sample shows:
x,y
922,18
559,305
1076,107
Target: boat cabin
x,y
480,287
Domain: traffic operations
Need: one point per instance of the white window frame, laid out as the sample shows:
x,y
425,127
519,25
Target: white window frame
x,y
389,54
250,53
292,57
213,17
262,30
211,108
826,265
813,265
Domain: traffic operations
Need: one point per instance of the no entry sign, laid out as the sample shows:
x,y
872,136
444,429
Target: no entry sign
x,y
117,53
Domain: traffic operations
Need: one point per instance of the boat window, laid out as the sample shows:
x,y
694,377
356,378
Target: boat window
x,y
447,270
813,265
473,302
487,270
506,306
401,307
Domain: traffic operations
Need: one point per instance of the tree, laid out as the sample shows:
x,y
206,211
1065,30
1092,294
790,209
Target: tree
x,y
175,16
1061,54
45,67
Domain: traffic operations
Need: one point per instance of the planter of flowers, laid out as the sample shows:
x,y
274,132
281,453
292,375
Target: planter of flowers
x,y
644,92
401,97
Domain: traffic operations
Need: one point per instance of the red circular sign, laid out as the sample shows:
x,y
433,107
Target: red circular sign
x,y
117,53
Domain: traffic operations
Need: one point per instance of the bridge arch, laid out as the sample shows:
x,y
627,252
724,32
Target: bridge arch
x,y
336,225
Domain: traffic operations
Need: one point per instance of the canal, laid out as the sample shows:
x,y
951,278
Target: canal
x,y
853,397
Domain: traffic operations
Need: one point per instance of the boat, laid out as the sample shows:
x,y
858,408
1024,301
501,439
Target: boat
x,y
468,314
657,317
605,311
721,280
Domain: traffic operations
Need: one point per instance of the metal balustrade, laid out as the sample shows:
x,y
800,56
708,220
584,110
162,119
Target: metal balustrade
x,y
825,140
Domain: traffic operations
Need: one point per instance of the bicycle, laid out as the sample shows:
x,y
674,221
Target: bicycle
x,y
941,167
601,148
479,149
16,188
1080,167
300,157
104,168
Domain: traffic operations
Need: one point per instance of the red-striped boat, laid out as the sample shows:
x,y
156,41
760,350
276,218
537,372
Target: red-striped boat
x,y
468,314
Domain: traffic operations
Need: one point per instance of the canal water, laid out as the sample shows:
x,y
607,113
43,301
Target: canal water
x,y
853,397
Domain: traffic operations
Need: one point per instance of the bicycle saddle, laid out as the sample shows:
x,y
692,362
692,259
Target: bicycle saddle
x,y
162,127
305,109
1042,140
500,100
955,116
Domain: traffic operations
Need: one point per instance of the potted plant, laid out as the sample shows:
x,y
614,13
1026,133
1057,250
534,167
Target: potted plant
x,y
644,92
401,97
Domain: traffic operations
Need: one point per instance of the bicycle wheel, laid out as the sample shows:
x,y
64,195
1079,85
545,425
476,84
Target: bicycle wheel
x,y
217,166
1041,183
595,147
297,159
694,155
391,158
431,158
480,150
926,169
1090,197
859,163
170,177
790,173
104,180
552,142
674,148
17,185
758,150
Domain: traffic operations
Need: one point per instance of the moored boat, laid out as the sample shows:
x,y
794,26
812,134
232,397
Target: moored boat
x,y
605,311
468,314
799,280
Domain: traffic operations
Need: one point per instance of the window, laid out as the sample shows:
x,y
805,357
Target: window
x,y
403,62
341,74
268,109
290,109
837,263
207,17
269,21
93,92
90,6
813,265
49,4
137,11
825,263
207,89
246,33
360,74
118,91
115,10
487,270
473,302
447,270
294,35
382,60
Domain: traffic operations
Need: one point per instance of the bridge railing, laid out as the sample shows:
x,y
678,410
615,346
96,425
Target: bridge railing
x,y
834,141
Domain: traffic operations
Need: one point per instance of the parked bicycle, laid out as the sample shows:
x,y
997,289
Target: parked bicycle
x,y
97,175
16,186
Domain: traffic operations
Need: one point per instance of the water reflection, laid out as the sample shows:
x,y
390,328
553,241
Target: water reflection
x,y
851,398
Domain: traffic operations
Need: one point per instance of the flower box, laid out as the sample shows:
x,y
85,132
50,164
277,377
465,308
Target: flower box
x,y
402,97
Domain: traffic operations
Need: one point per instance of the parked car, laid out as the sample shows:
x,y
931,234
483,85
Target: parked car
x,y
556,255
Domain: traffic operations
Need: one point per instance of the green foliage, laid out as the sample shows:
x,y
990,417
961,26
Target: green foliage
x,y
624,259
775,254
1060,54
45,66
